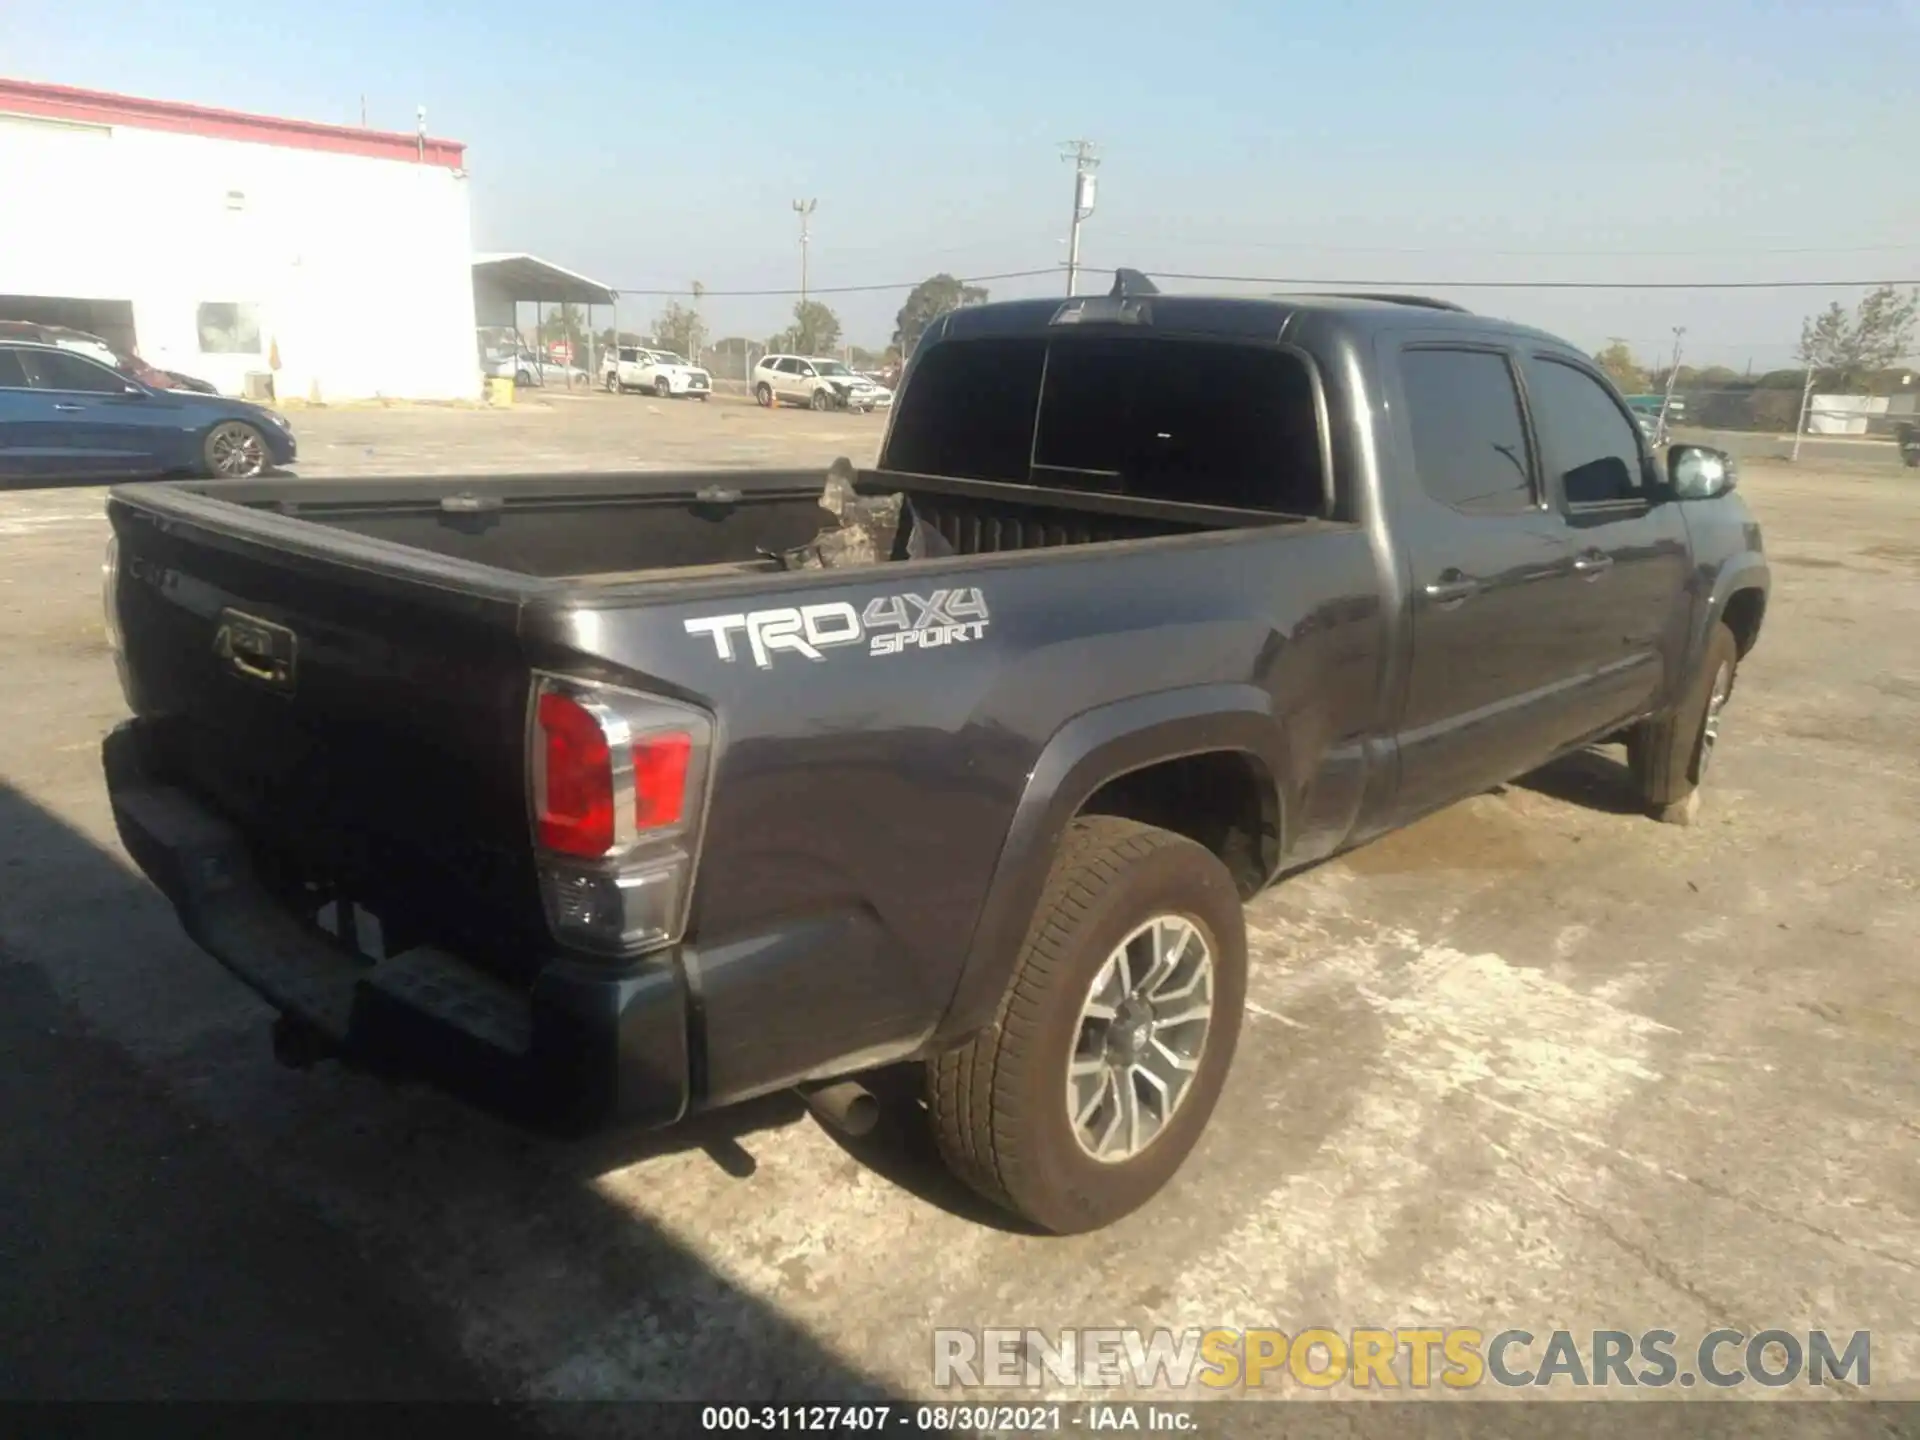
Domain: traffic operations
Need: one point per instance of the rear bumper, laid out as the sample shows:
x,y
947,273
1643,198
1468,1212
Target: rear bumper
x,y
585,1042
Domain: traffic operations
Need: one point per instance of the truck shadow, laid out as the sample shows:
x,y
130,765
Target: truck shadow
x,y
192,1220
1595,778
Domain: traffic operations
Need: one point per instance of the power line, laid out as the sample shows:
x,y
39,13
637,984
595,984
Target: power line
x,y
1316,281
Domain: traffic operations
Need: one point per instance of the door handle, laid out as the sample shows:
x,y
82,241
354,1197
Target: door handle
x,y
1451,589
69,407
1592,564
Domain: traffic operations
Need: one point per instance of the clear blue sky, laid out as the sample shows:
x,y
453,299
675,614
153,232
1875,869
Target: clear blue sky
x,y
652,144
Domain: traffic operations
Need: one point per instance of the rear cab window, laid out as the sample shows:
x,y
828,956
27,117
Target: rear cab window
x,y
1188,420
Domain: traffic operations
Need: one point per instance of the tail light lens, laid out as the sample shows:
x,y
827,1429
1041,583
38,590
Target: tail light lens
x,y
618,784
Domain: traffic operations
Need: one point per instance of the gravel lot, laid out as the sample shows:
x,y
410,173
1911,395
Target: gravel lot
x,y
1536,1062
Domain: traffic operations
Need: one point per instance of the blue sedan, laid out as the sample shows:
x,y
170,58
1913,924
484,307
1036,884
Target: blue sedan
x,y
65,416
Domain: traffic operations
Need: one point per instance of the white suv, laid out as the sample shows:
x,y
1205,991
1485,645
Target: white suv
x,y
661,371
817,382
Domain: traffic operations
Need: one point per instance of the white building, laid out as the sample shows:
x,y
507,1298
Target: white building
x,y
335,259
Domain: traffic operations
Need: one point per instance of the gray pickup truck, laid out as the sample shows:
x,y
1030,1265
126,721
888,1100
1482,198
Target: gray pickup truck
x,y
643,794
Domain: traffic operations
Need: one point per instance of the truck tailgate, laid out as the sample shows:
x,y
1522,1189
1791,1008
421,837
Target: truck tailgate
x,y
359,712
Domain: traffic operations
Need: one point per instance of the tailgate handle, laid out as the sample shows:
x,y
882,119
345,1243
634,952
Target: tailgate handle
x,y
256,649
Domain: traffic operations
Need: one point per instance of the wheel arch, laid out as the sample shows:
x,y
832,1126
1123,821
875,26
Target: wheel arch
x,y
1171,759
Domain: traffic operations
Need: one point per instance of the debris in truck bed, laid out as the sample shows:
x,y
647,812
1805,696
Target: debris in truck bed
x,y
866,529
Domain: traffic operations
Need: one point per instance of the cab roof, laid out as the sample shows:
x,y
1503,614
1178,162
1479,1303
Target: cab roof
x,y
1238,317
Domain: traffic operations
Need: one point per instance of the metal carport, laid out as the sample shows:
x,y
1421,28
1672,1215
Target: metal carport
x,y
503,282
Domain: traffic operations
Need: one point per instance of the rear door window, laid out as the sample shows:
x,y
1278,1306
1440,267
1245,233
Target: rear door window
x,y
12,375
63,370
1469,446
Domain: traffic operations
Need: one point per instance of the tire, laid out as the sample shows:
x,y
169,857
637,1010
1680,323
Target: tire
x,y
1669,756
234,450
523,377
704,397
821,400
1000,1104
663,387
763,393
614,387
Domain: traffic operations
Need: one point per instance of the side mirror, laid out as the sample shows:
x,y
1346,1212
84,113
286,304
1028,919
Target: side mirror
x,y
1698,473
131,389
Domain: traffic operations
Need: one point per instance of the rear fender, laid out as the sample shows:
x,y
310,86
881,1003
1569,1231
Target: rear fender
x,y
1083,755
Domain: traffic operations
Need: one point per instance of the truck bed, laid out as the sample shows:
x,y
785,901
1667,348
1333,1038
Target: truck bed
x,y
623,528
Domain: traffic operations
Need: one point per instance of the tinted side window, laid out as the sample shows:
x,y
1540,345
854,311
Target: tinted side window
x,y
969,411
1195,421
1586,438
63,370
1469,445
12,376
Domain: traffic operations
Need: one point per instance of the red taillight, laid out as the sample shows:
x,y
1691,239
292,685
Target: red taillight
x,y
660,779
575,803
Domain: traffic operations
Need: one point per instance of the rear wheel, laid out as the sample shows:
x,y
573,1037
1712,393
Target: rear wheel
x,y
1669,756
614,387
763,393
234,450
1111,1045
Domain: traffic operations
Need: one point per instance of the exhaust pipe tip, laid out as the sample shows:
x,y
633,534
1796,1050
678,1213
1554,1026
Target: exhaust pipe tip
x,y
846,1105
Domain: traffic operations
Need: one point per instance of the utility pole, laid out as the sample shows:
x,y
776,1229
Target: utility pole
x,y
804,209
1673,373
1806,403
1085,162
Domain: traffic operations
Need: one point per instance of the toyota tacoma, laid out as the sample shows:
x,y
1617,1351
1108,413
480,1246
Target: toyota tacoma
x,y
646,794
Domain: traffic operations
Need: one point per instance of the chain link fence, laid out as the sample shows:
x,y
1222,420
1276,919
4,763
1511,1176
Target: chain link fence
x,y
1778,411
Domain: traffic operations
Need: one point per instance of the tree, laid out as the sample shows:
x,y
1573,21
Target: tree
x,y
1878,332
815,330
1617,360
678,328
568,323
927,302
610,339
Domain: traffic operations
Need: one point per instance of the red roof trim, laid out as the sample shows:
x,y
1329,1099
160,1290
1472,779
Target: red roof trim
x,y
99,107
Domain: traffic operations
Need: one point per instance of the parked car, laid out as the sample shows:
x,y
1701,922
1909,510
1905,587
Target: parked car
x,y
535,369
661,371
700,786
505,356
65,415
819,382
125,361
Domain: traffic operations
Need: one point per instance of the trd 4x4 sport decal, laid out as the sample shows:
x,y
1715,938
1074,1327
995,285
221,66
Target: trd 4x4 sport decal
x,y
890,625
